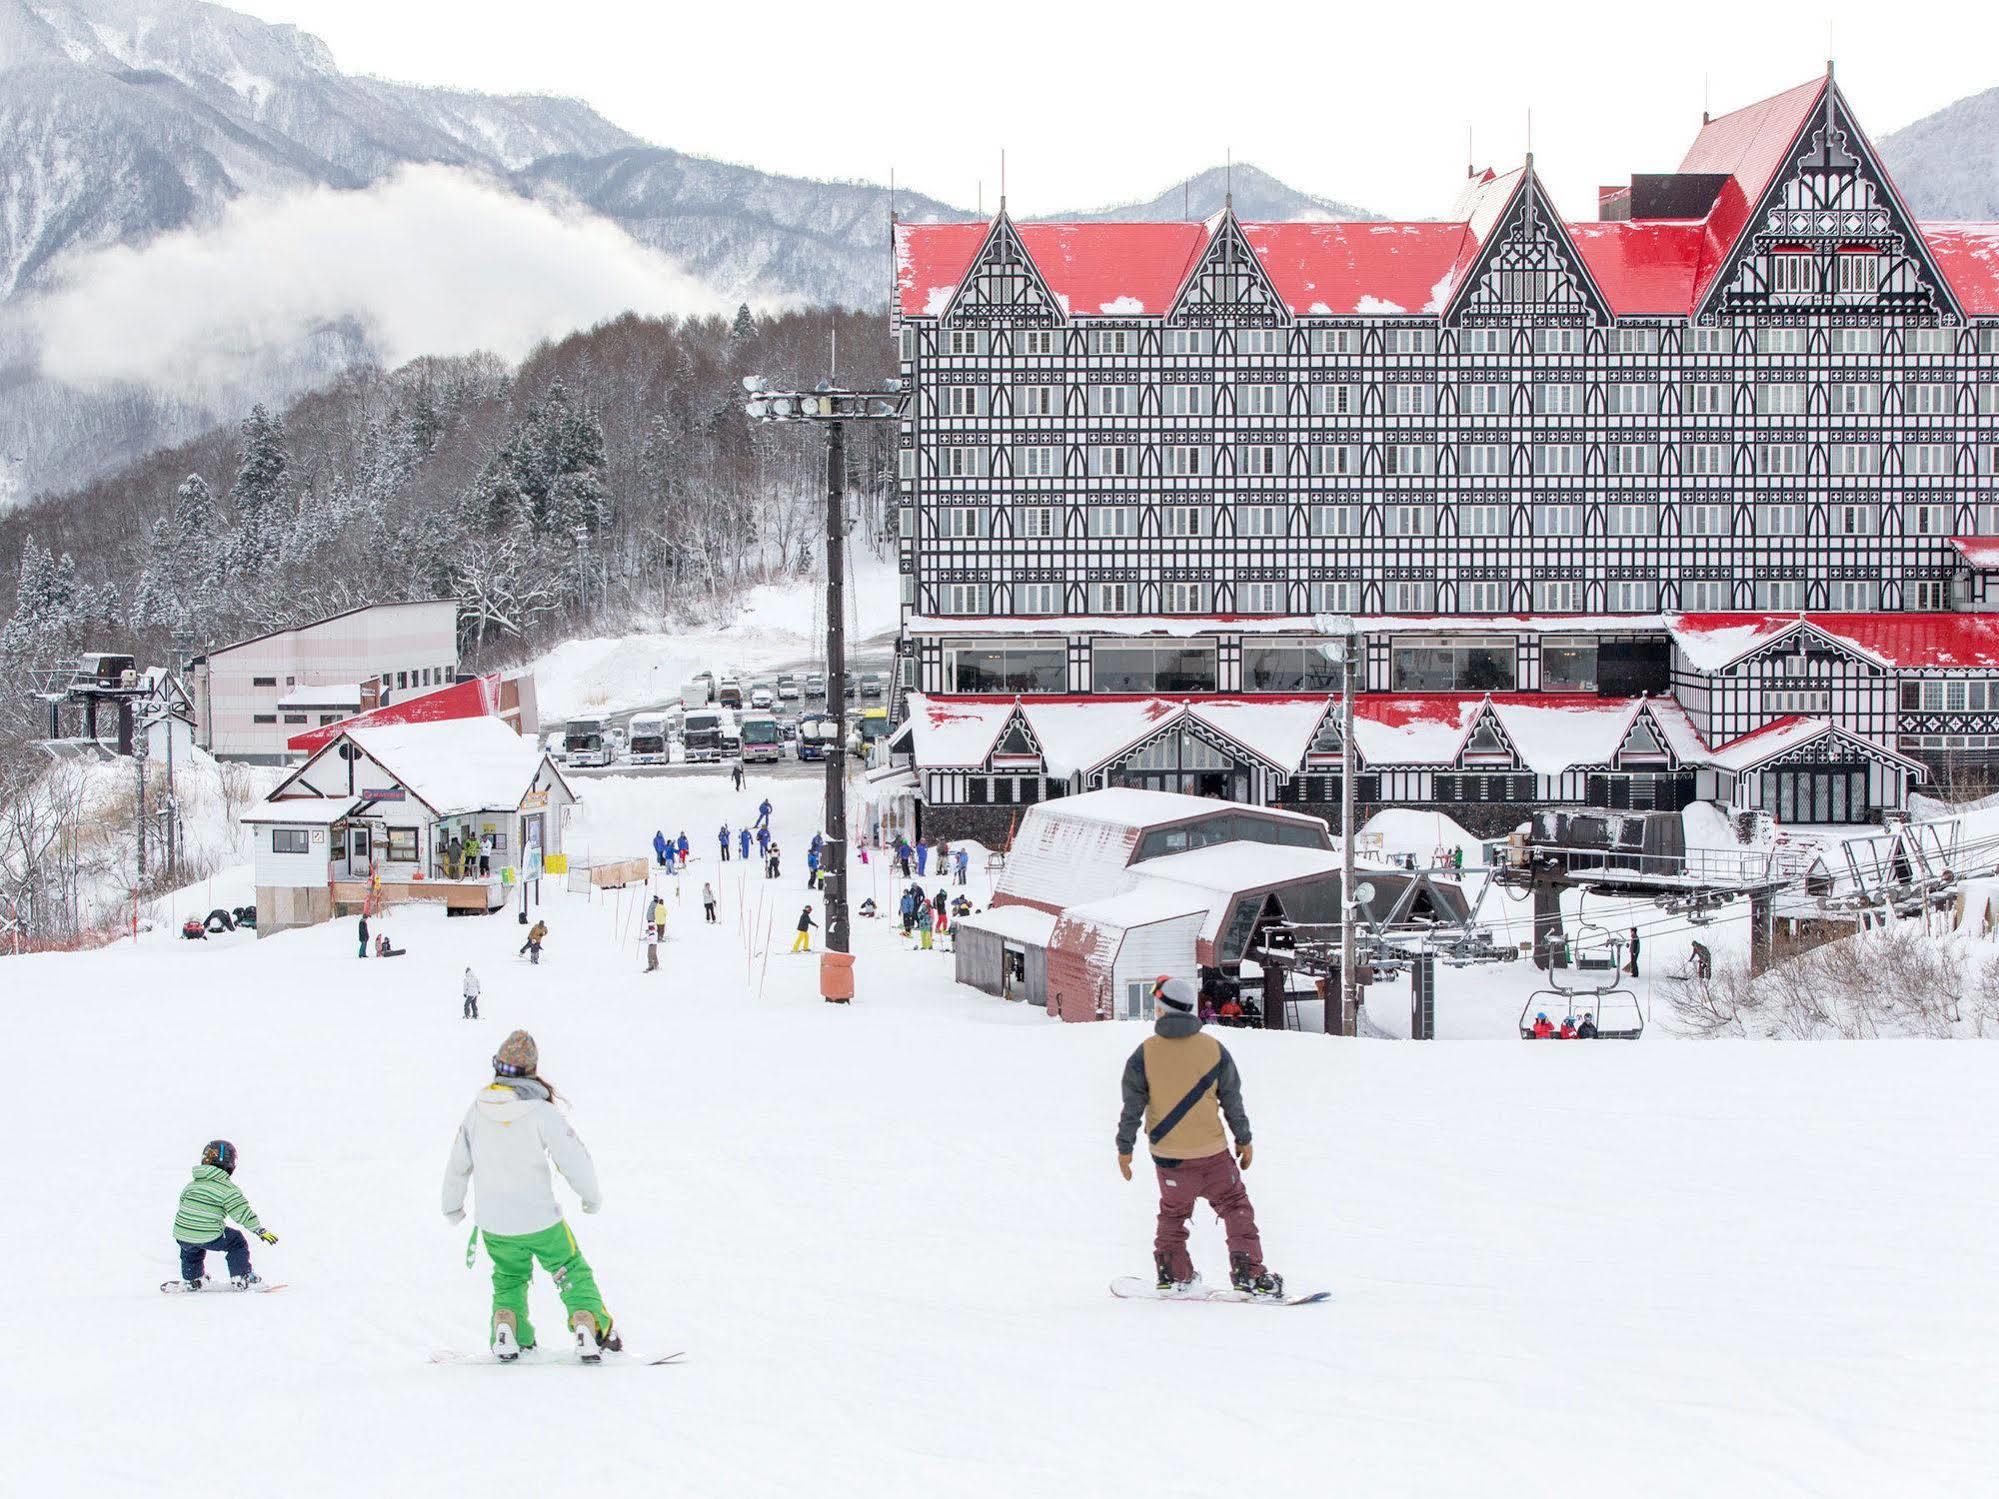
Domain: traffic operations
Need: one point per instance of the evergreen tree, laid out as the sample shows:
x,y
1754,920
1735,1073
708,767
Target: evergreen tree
x,y
46,617
257,495
745,325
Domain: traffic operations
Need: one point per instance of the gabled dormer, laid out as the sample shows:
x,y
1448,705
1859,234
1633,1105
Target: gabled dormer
x,y
1018,747
1830,235
1644,746
1528,266
1003,285
1229,283
1486,745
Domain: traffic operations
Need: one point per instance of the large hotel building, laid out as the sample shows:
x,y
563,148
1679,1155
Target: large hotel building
x,y
1699,499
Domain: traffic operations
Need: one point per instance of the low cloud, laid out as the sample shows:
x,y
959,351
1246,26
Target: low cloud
x,y
431,261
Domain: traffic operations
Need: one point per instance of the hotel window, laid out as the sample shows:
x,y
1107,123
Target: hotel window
x,y
961,400
1707,593
263,718
1988,399
1111,598
1558,595
1782,520
1186,340
1113,400
1853,520
965,598
1036,400
1558,520
1260,341
1038,463
964,463
1260,400
1039,598
1634,458
1410,400
1927,400
1710,341
263,681
1484,596
1926,520
1777,593
1792,274
1854,594
1780,340
1335,459
1781,400
1707,458
1558,340
1260,597
1184,520
1333,341
1855,400
1485,400
1412,341
1930,341
1707,399
1337,597
294,718
1289,666
1335,520
1185,462
1854,458
1259,459
1487,340
1122,667
327,718
401,846
1115,341
1408,520
1113,462
1637,340
1259,520
1633,595
1558,458
963,341
1781,458
1035,521
963,521
1482,520
1409,595
1037,341
1632,520
1185,400
1568,664
1108,521
402,679
1406,458
1856,340
290,841
1467,664
1484,459
1857,274
1985,520
905,463
1928,595
1557,400
1627,399
1926,458
1335,400
1704,520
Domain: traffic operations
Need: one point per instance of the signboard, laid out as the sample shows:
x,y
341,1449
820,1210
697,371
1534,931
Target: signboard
x,y
387,794
319,835
535,800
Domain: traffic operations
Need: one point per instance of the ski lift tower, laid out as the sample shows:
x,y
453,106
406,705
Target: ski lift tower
x,y
831,407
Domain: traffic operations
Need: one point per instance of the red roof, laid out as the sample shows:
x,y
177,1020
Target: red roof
x,y
1748,144
1340,269
1968,256
1981,552
475,698
1894,639
1646,266
1093,269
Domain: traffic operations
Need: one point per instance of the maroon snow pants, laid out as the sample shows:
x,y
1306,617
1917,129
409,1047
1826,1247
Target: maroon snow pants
x,y
1214,1177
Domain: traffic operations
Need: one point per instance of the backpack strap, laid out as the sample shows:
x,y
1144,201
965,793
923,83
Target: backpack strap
x,y
1179,1110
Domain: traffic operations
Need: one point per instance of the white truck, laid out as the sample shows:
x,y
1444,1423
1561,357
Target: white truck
x,y
649,744
709,734
588,741
699,692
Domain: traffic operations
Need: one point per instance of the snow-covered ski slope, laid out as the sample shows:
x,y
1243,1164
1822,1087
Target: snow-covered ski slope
x,y
883,1235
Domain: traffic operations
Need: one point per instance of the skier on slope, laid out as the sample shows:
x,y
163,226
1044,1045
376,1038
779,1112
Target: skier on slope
x,y
471,991
1184,1082
198,1221
507,1138
723,838
659,849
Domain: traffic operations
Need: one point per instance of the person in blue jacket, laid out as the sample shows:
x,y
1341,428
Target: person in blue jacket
x,y
659,848
723,838
744,833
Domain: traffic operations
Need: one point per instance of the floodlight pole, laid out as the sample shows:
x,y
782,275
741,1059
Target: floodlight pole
x,y
832,409
1349,1022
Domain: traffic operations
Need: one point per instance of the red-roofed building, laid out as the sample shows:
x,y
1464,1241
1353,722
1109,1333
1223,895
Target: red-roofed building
x,y
1599,496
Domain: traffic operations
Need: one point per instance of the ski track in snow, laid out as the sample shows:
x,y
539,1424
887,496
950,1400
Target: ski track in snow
x,y
883,1233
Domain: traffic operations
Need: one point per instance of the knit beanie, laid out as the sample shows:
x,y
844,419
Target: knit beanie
x,y
517,1056
1176,994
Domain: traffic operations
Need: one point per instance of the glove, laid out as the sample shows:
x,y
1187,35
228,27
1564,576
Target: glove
x,y
267,1236
1243,1154
591,1207
456,1215
1124,1165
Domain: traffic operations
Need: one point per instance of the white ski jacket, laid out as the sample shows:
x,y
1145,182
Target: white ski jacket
x,y
471,984
507,1139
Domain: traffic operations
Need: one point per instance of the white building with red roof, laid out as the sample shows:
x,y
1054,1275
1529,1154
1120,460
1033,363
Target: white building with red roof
x,y
1605,501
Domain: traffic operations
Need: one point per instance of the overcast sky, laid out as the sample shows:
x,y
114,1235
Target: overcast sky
x,y
1101,100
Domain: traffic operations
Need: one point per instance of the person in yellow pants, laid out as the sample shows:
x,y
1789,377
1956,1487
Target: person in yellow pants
x,y
803,941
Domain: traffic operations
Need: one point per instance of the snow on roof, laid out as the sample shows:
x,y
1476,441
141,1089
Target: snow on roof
x,y
460,765
951,731
1232,868
1713,641
306,811
1015,923
1774,738
1130,807
1553,731
1280,730
325,695
1079,734
1968,256
1057,862
1682,738
1412,728
1147,901
1981,552
1181,625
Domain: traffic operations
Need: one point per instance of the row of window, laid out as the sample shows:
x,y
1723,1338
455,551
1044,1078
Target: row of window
x,y
1126,342
296,718
1421,595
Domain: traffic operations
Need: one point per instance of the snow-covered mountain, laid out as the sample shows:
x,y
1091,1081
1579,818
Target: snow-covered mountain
x,y
1256,194
1947,164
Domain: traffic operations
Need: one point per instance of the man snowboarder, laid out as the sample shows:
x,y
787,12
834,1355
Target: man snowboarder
x,y
708,901
803,941
1184,1083
198,1221
532,947
507,1138
471,992
723,838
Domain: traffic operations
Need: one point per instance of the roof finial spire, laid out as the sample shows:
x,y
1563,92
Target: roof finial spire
x,y
1228,178
893,216
1707,101
1002,182
1530,135
1471,153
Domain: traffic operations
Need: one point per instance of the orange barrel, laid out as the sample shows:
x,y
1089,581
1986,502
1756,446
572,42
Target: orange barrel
x,y
836,977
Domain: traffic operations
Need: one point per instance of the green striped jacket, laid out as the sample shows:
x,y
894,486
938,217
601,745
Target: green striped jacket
x,y
205,1202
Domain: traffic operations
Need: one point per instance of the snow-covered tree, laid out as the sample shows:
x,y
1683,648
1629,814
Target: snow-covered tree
x,y
263,515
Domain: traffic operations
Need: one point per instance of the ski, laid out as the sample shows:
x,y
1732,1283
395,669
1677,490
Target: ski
x,y
1142,1288
536,1358
212,1288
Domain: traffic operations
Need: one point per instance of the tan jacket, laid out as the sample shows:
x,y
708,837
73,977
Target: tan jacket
x,y
1178,1061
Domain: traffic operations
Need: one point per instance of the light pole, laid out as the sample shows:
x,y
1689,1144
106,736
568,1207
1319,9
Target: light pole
x,y
832,409
1349,969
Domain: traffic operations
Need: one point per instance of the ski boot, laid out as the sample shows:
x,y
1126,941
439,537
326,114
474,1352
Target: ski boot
x,y
1169,1285
506,1343
590,1343
1253,1282
246,1282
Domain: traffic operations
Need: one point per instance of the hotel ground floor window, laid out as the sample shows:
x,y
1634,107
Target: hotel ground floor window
x,y
1646,791
1816,793
1155,668
1182,762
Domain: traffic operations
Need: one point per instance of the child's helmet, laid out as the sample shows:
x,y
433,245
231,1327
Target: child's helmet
x,y
219,1153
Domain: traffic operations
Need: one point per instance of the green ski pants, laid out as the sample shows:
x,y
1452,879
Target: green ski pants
x,y
513,1266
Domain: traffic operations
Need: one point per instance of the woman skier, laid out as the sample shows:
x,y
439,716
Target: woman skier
x,y
507,1138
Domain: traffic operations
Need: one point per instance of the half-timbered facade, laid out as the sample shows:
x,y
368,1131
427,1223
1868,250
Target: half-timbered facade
x,y
1755,399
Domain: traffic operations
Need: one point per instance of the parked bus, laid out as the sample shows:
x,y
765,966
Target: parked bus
x,y
762,743
588,741
704,738
815,736
649,744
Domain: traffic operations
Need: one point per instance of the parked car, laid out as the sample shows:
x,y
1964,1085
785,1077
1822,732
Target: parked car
x,y
555,747
815,685
762,698
729,693
872,684
787,687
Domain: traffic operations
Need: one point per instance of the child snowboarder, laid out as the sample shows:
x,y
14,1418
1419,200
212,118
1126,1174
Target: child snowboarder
x,y
708,901
507,1138
803,941
532,947
1184,1083
198,1222
364,934
471,994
